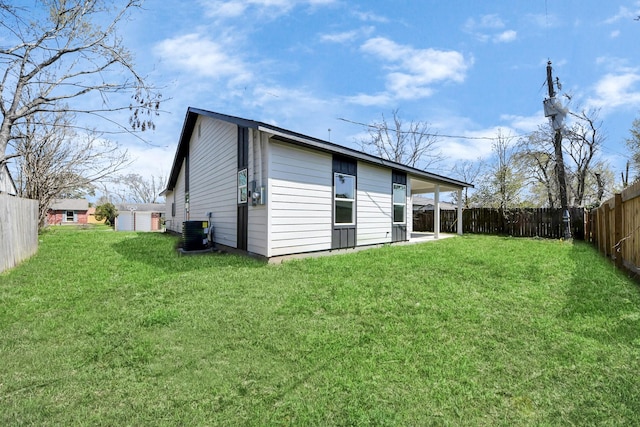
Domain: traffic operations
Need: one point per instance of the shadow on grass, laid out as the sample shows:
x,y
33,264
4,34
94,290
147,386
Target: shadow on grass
x,y
602,299
160,250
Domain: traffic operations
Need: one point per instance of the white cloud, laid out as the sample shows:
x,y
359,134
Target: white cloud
x,y
506,37
346,36
370,17
226,9
151,161
525,124
617,90
615,65
614,34
412,71
289,102
272,8
461,150
488,27
339,37
624,13
473,145
198,54
380,99
484,22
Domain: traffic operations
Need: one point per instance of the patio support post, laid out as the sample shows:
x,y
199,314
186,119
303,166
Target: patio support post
x,y
436,212
460,211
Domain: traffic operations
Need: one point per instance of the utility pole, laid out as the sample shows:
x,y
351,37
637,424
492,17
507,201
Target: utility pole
x,y
557,145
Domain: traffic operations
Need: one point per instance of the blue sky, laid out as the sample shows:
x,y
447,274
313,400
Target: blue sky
x,y
467,67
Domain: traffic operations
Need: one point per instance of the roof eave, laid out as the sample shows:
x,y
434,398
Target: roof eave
x,y
334,148
291,137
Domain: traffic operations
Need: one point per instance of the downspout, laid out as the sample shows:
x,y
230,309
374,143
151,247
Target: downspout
x,y
259,160
256,155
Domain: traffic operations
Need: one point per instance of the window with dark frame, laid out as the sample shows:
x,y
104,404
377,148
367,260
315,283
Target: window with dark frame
x,y
344,198
399,203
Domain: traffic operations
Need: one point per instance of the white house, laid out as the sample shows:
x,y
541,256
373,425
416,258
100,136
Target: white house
x,y
273,192
7,185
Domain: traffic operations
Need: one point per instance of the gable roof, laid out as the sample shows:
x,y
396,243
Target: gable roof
x,y
141,207
69,205
291,137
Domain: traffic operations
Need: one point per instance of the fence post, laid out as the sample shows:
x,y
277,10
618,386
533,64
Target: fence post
x,y
617,225
607,226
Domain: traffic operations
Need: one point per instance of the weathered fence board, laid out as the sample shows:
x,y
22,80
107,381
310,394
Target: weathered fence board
x,y
18,230
542,222
615,228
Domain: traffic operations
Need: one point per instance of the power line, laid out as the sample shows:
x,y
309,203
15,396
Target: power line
x,y
438,135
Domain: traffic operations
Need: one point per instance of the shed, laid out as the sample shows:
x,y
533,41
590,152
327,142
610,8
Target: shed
x,y
272,192
139,216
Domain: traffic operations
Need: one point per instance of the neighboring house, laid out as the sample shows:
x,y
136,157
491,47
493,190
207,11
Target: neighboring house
x,y
272,192
139,216
68,211
7,185
421,204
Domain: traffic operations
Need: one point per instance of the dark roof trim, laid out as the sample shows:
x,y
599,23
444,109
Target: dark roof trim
x,y
293,138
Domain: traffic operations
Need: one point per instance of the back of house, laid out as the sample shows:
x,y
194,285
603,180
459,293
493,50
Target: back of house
x,y
272,192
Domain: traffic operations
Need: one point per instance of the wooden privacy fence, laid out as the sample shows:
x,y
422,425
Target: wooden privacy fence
x,y
18,230
534,222
614,228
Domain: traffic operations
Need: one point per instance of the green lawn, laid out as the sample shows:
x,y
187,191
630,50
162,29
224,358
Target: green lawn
x,y
105,328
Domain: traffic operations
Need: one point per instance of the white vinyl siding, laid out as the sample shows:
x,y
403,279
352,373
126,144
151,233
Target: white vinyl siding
x,y
174,223
301,199
258,215
213,169
374,205
6,185
169,200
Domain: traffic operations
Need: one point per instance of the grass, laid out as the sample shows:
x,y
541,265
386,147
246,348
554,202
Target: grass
x,y
117,329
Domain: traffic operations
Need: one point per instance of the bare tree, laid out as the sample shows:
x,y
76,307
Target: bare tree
x,y
412,144
469,172
54,159
536,155
136,188
57,56
633,142
585,139
599,184
502,185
